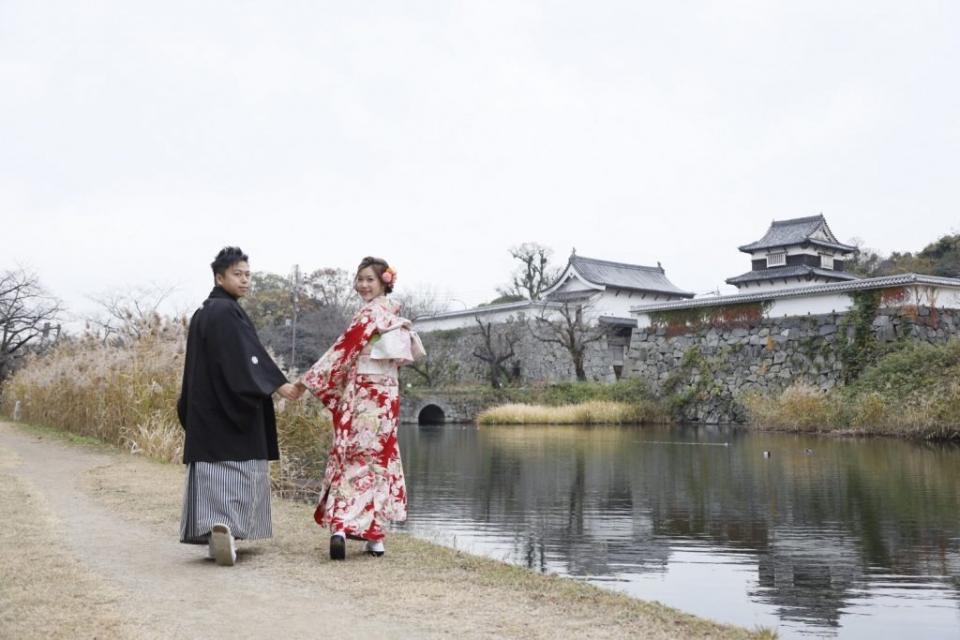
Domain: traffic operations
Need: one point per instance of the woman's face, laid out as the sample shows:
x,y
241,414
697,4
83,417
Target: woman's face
x,y
368,284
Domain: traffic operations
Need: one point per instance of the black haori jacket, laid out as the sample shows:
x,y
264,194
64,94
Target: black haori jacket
x,y
225,405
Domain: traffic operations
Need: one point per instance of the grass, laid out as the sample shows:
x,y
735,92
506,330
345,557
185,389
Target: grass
x,y
913,392
46,593
126,396
590,412
566,393
553,394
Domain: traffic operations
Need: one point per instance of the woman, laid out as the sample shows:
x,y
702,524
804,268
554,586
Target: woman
x,y
356,380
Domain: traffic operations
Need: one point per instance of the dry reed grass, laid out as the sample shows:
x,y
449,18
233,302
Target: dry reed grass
x,y
126,396
912,391
800,407
932,415
592,412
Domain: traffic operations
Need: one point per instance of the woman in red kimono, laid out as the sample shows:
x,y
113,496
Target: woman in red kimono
x,y
356,379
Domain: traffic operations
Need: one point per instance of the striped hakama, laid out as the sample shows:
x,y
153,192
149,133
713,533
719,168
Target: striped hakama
x,y
230,492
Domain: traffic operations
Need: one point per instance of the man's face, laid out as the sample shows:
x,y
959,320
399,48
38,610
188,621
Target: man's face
x,y
235,280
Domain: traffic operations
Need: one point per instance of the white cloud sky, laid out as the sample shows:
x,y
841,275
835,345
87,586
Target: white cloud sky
x,y
136,139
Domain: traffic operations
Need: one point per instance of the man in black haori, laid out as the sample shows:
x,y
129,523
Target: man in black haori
x,y
226,410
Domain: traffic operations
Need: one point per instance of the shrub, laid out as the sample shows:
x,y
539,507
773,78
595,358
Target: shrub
x,y
800,407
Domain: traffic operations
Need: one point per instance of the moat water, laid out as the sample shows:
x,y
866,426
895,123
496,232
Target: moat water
x,y
813,537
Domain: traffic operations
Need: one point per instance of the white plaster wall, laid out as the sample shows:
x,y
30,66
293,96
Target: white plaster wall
x,y
926,295
606,303
949,298
609,304
810,305
791,251
572,283
461,321
779,285
442,324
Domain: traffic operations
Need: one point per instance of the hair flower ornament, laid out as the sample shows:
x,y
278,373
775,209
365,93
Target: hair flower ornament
x,y
389,275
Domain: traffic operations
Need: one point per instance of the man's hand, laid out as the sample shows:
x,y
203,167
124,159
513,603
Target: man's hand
x,y
289,391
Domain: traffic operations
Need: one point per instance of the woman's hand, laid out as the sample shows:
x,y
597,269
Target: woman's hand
x,y
299,387
290,391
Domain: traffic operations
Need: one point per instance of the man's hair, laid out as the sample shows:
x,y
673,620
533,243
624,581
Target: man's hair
x,y
379,265
228,257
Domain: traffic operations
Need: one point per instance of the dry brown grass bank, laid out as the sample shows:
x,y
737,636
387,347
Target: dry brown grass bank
x,y
45,593
591,412
913,392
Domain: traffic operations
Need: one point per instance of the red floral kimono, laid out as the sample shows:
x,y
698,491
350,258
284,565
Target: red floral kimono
x,y
363,484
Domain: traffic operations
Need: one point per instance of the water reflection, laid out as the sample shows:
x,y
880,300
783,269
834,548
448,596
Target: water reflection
x,y
819,538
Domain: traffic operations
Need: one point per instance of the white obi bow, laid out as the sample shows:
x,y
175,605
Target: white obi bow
x,y
399,343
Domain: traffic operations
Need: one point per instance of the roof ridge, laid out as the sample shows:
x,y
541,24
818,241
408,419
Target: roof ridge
x,y
799,220
616,264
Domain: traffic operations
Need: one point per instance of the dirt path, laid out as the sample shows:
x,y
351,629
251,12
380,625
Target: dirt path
x,y
89,549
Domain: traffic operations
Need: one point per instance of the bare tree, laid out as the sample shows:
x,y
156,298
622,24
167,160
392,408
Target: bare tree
x,y
27,314
332,288
424,301
126,315
496,347
569,329
534,274
439,366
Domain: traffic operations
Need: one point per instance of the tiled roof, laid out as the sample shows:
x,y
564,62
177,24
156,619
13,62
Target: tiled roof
x,y
515,307
625,276
571,296
792,271
616,321
783,233
861,284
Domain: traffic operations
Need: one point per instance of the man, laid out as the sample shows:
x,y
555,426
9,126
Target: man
x,y
226,410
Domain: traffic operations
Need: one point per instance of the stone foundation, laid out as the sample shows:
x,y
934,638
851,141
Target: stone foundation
x,y
709,367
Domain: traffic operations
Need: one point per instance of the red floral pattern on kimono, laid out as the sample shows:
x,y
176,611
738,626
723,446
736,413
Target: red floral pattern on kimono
x,y
363,485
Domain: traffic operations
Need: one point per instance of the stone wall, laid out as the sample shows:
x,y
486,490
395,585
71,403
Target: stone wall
x,y
709,366
450,359
457,406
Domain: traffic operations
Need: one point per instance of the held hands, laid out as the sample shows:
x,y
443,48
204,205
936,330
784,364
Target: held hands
x,y
291,391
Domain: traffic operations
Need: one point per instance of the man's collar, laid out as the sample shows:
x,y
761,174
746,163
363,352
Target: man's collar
x,y
220,292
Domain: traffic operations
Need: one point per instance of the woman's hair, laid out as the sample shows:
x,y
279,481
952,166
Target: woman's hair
x,y
379,265
228,257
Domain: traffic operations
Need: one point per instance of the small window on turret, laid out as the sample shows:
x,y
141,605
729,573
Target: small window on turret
x,y
826,262
776,259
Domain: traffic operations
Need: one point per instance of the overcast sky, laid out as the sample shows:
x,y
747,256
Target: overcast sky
x,y
137,138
